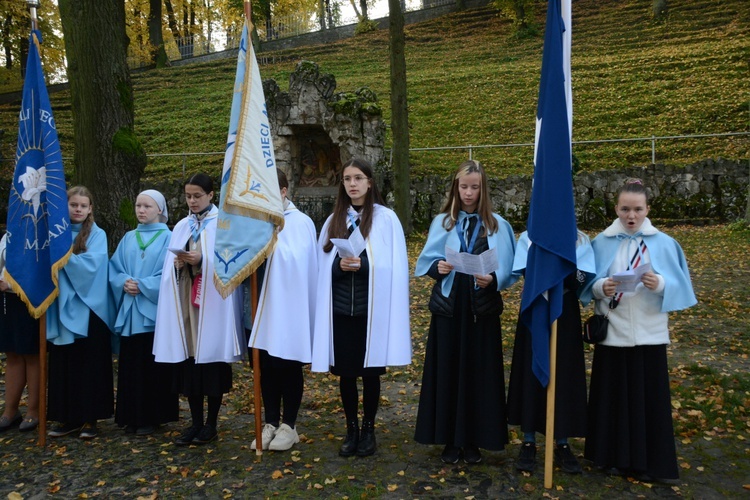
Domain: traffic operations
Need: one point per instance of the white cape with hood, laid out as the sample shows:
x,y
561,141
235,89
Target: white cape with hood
x,y
283,323
220,336
388,331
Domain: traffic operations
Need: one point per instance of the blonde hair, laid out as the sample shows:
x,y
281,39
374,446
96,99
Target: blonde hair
x,y
79,245
484,207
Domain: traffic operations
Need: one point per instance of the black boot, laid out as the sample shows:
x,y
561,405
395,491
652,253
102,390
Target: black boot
x,y
366,439
351,440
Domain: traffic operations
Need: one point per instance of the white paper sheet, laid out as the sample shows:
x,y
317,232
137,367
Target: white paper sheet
x,y
351,247
177,251
628,280
475,265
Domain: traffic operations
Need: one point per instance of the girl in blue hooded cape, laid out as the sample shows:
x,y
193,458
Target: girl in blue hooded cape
x,y
630,429
462,400
144,395
78,329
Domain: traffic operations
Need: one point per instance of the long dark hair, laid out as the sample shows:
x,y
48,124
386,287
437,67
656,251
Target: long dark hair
x,y
484,207
79,245
338,228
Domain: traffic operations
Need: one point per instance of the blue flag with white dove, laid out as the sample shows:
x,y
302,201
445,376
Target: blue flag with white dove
x,y
250,208
552,222
39,237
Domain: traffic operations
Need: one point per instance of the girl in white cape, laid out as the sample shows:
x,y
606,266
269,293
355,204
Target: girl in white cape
x,y
284,338
196,329
362,313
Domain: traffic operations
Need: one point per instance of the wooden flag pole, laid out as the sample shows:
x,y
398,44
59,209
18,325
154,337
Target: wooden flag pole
x,y
42,381
549,437
254,308
256,372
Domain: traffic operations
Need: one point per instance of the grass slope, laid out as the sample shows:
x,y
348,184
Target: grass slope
x,y
472,82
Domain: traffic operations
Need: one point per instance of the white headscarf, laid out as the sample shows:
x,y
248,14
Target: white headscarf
x,y
161,202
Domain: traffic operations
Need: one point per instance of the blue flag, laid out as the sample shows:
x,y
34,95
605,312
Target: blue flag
x,y
39,236
552,223
250,208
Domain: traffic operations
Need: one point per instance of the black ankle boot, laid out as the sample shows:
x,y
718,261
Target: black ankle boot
x,y
366,439
351,440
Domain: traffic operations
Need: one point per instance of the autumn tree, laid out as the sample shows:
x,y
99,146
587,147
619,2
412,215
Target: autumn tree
x,y
399,114
14,29
108,157
521,12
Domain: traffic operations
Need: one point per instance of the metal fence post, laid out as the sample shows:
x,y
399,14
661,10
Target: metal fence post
x,y
653,150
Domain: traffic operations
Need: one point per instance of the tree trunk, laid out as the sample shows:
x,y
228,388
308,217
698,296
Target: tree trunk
x,y
659,9
322,15
363,6
159,56
8,42
108,157
399,115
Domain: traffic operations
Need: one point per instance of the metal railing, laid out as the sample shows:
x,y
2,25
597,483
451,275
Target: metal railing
x,y
653,139
472,148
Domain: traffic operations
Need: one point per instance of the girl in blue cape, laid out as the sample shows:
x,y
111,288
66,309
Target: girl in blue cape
x,y
527,398
80,353
462,401
144,396
630,413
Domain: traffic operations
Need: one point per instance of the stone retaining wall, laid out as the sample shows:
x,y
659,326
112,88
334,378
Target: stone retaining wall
x,y
711,190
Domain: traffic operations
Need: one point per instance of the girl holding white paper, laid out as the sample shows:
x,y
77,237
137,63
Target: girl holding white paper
x,y
630,414
462,401
362,312
197,330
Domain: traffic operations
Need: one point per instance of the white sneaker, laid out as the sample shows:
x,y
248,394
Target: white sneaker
x,y
284,439
269,431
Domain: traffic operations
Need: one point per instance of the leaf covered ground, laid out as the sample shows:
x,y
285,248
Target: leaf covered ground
x,y
711,397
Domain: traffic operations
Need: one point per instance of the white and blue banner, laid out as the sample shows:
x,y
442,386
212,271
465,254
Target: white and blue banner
x,y
552,221
250,208
39,235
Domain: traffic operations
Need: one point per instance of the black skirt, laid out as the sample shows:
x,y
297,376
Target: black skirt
x,y
630,411
527,399
201,379
80,377
349,346
144,387
19,332
462,400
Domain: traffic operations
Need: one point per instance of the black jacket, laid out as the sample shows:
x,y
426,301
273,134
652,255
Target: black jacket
x,y
349,288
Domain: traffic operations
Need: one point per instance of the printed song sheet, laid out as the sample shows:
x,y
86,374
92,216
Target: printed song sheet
x,y
351,247
628,280
475,265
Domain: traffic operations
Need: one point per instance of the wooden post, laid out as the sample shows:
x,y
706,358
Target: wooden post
x,y
256,372
549,437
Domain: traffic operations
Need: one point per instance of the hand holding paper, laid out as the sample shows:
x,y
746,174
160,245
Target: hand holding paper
x,y
475,265
351,247
628,280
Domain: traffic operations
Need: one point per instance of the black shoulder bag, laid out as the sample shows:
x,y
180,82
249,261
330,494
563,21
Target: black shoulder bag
x,y
595,328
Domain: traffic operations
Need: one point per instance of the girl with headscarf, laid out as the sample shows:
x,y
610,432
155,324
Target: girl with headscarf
x,y
144,397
